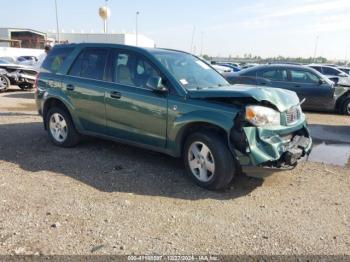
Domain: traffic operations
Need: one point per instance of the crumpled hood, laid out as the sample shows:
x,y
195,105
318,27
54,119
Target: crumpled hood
x,y
281,98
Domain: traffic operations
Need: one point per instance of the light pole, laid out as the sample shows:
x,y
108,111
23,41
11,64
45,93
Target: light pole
x,y
316,47
192,40
57,24
202,40
137,28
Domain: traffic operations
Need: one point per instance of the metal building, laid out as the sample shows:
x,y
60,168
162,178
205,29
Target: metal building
x,y
21,37
124,39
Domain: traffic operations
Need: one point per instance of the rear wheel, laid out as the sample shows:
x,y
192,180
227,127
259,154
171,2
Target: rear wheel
x,y
4,83
60,128
25,86
346,106
208,160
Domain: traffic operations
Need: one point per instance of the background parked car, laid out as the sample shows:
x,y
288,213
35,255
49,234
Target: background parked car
x,y
344,69
233,67
333,73
4,81
249,65
318,91
27,60
21,75
222,69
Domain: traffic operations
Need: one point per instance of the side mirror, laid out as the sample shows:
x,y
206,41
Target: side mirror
x,y
155,83
335,80
321,81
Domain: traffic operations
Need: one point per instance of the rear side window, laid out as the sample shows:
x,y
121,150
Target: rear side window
x,y
55,59
275,74
90,64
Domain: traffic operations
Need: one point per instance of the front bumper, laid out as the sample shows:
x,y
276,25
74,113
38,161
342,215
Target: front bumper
x,y
22,77
275,148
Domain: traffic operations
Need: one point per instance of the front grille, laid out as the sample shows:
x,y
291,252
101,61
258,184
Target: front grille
x,y
293,115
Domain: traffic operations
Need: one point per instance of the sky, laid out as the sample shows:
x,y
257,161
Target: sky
x,y
218,28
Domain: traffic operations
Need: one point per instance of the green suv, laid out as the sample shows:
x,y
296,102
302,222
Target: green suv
x,y
172,102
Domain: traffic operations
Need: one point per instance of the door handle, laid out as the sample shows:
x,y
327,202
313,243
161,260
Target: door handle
x,y
116,95
70,87
297,86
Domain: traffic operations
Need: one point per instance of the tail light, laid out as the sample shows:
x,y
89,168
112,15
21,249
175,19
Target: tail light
x,y
36,82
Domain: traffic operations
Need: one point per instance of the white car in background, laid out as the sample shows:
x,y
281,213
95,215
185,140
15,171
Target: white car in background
x,y
222,69
335,74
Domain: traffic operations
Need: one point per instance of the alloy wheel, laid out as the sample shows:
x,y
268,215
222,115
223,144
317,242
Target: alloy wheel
x,y
3,83
58,127
201,161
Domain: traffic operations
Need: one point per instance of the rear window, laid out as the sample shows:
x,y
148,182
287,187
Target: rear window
x,y
55,59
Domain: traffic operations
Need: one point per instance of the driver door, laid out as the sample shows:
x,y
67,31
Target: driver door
x,y
318,95
133,111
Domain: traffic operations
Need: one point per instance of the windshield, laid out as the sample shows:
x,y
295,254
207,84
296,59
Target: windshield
x,y
189,71
4,61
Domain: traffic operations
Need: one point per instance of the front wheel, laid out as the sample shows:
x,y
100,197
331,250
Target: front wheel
x,y
208,160
61,128
4,83
346,106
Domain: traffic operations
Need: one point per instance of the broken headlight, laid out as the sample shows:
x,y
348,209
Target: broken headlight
x,y
262,116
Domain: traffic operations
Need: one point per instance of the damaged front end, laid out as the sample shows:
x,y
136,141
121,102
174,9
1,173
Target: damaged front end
x,y
270,131
19,74
272,147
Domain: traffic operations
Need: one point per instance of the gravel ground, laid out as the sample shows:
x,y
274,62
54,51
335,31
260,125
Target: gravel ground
x,y
108,198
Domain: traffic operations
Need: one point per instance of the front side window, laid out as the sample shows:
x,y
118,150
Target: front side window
x,y
90,64
300,76
132,69
189,71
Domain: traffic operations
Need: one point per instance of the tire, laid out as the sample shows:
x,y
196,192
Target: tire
x,y
5,83
346,106
25,86
60,128
219,165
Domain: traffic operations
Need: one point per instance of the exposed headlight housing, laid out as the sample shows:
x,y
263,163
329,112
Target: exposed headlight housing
x,y
262,116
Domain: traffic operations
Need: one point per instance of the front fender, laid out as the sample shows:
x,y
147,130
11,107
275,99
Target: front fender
x,y
177,128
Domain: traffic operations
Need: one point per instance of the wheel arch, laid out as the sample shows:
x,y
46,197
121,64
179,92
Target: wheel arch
x,y
55,102
341,99
192,127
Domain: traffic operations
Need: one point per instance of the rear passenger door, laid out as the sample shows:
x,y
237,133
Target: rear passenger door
x,y
133,111
274,77
84,86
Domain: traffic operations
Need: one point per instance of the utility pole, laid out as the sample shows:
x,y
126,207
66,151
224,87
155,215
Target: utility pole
x,y
137,28
202,40
316,47
57,24
193,33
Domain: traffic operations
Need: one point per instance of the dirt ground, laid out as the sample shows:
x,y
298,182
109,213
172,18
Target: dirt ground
x,y
108,198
